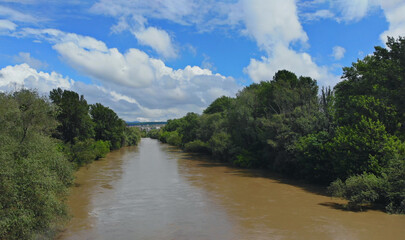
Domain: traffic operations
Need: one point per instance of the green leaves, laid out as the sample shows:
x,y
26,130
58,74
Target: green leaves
x,y
34,174
73,116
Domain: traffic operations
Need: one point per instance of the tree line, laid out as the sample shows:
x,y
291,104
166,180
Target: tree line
x,y
350,137
42,141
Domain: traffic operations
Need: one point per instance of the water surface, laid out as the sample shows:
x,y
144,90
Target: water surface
x,y
155,191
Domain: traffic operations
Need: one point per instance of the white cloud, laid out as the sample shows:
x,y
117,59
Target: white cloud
x,y
6,25
178,11
273,22
338,52
132,69
163,100
157,39
395,13
135,85
275,26
352,10
24,76
14,15
285,58
355,10
130,15
24,57
56,36
318,15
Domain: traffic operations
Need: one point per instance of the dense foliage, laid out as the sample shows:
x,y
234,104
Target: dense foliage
x,y
89,132
41,142
351,137
34,175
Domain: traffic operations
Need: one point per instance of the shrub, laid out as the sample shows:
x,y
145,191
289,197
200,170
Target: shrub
x,y
101,148
197,146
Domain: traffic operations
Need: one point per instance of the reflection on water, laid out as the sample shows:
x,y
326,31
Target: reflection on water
x,y
155,191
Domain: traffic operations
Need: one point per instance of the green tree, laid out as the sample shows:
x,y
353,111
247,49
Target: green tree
x,y
220,104
34,174
73,115
380,78
107,125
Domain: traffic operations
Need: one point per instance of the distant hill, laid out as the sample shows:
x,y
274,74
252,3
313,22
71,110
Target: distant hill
x,y
136,123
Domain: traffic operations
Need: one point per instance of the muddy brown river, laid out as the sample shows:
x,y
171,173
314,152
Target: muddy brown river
x,y
155,191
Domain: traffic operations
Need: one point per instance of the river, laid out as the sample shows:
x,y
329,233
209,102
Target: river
x,y
155,191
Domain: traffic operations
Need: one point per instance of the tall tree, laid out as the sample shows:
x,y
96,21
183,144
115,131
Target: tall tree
x,y
73,115
374,87
107,125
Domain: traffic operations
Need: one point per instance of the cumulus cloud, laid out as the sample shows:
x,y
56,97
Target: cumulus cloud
x,y
338,52
135,85
275,27
130,15
24,57
273,22
394,12
157,39
286,58
23,75
6,25
160,101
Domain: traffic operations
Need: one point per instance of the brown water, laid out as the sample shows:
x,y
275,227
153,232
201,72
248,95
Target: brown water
x,y
155,191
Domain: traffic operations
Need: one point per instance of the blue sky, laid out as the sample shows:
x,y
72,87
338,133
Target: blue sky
x,y
155,60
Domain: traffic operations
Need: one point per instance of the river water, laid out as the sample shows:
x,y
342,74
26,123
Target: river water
x,y
155,191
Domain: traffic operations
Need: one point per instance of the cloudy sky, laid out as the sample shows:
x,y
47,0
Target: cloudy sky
x,y
159,59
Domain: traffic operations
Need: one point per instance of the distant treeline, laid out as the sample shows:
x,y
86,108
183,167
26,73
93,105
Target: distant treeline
x,y
350,137
42,141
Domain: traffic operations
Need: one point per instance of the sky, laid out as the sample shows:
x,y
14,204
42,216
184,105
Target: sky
x,y
159,59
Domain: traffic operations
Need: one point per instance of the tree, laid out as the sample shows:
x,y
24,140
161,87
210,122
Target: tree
x,y
375,86
219,105
34,174
73,115
107,125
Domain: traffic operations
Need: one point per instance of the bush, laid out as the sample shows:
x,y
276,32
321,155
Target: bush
x,y
132,136
82,152
220,144
173,138
197,146
360,189
101,148
245,159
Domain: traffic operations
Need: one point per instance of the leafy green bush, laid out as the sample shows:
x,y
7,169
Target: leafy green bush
x,y
101,148
220,144
132,136
359,189
197,146
82,152
174,138
245,159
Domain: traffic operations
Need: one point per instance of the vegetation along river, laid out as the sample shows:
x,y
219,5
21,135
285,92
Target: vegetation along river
x,y
156,191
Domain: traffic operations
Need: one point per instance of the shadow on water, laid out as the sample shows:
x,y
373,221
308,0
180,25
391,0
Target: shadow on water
x,y
345,208
206,161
